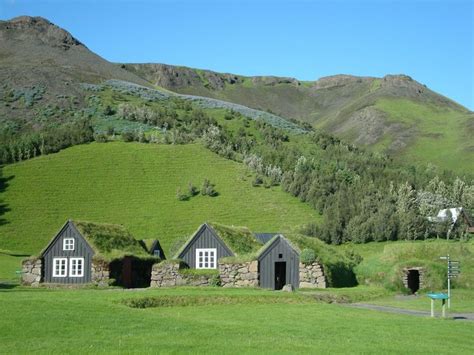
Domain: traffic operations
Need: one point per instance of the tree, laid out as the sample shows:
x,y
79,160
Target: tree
x,y
208,189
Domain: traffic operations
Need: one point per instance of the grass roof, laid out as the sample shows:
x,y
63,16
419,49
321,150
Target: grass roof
x,y
110,241
239,239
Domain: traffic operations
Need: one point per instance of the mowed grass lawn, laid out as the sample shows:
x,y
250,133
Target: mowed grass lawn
x,y
135,185
86,321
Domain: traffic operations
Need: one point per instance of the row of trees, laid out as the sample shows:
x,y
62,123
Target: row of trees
x,y
46,141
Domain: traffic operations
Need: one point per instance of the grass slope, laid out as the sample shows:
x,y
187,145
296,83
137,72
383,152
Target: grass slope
x,y
382,262
97,321
135,185
445,139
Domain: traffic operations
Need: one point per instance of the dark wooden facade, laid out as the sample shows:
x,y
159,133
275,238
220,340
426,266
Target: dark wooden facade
x,y
204,238
55,249
278,264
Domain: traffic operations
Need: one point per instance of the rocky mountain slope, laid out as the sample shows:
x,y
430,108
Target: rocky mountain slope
x,y
43,69
42,62
393,114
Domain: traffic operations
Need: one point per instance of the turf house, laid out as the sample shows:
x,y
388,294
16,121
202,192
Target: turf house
x,y
235,257
85,252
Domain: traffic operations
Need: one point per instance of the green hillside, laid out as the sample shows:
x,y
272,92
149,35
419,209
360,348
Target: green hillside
x,y
394,114
382,263
135,185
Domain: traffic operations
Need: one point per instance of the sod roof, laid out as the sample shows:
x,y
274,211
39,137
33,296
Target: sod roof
x,y
240,240
110,241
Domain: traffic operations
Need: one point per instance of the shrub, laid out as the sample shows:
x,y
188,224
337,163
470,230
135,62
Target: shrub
x,y
257,181
129,136
215,280
109,111
193,191
307,256
101,138
181,196
208,189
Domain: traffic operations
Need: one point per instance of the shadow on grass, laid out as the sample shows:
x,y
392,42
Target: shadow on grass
x,y
8,286
342,275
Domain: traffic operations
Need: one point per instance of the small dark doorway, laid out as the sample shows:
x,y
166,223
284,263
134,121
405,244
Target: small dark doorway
x,y
280,275
127,278
413,279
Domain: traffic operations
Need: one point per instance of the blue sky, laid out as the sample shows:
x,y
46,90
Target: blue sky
x,y
432,41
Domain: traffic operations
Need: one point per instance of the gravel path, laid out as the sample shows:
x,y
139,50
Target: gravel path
x,y
456,316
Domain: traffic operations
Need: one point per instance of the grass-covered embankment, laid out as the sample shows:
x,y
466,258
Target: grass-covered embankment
x,y
383,263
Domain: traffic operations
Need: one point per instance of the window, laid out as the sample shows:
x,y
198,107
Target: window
x,y
157,253
206,258
76,267
68,244
59,267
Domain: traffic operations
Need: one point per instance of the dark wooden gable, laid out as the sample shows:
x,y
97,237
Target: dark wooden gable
x,y
278,250
206,237
82,249
157,250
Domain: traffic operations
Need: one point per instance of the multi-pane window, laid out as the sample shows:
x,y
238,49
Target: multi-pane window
x,y
76,267
68,244
59,267
206,258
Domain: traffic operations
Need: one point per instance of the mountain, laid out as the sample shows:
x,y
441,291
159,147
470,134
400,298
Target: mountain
x,y
41,62
394,114
44,71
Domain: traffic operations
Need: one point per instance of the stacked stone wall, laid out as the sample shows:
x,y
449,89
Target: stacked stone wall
x,y
312,276
100,273
31,272
239,275
167,274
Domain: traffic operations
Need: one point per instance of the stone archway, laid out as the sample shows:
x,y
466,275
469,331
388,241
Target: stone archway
x,y
413,278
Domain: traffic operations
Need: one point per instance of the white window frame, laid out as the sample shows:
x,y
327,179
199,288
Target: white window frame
x,y
79,272
200,258
69,246
60,261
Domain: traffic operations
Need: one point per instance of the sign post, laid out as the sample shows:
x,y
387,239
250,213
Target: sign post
x,y
454,269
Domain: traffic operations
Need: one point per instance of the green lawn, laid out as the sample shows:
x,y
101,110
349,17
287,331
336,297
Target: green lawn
x,y
461,301
59,321
9,264
135,185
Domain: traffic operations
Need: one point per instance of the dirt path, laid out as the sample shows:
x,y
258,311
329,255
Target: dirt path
x,y
456,316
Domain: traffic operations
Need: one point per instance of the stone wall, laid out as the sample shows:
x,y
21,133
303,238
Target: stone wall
x,y
166,274
239,275
100,273
312,276
406,271
31,272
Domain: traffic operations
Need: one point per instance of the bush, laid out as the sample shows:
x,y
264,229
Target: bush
x,y
129,136
307,256
208,189
181,196
215,280
109,111
101,138
193,191
257,181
